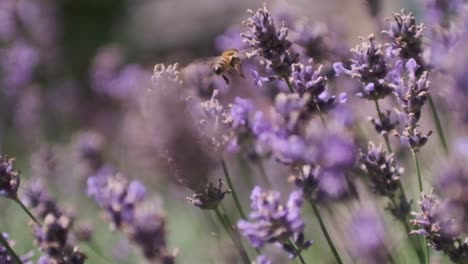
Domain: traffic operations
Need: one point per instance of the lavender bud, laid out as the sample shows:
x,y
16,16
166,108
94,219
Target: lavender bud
x,y
386,123
35,196
147,230
381,169
9,177
210,197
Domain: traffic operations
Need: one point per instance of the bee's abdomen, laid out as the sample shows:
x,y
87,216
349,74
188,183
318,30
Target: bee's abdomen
x,y
220,65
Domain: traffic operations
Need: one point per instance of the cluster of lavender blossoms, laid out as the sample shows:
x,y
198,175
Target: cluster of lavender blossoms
x,y
291,123
441,230
126,204
270,44
272,222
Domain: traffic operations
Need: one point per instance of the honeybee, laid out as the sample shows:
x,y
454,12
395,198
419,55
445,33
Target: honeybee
x,y
229,59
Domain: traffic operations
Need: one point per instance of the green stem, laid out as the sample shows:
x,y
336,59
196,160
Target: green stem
x,y
233,235
379,113
261,168
10,251
26,210
440,130
96,250
298,253
325,233
291,89
231,186
418,169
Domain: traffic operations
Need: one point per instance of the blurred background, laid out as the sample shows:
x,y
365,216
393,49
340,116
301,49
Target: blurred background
x,y
68,67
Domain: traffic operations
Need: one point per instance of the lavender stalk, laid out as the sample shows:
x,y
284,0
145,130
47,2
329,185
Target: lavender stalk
x,y
418,169
325,233
440,130
8,248
231,186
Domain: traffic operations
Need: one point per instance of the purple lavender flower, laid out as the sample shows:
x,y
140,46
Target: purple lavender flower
x,y
382,170
441,12
89,147
114,192
35,196
413,92
129,210
440,229
9,177
272,45
405,37
240,112
307,80
386,123
210,197
368,233
269,221
371,67
53,237
147,230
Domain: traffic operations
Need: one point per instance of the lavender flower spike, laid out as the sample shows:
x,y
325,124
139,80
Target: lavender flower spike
x,y
382,170
271,45
370,66
440,229
9,178
271,222
210,197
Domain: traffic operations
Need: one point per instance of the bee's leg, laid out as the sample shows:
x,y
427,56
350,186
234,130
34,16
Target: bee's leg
x,y
239,69
225,78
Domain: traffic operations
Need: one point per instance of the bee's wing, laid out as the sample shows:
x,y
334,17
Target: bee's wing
x,y
198,68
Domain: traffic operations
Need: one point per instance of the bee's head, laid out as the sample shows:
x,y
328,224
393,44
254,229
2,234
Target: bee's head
x,y
217,70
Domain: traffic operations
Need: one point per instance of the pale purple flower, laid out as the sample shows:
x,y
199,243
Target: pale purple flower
x,y
270,221
115,193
